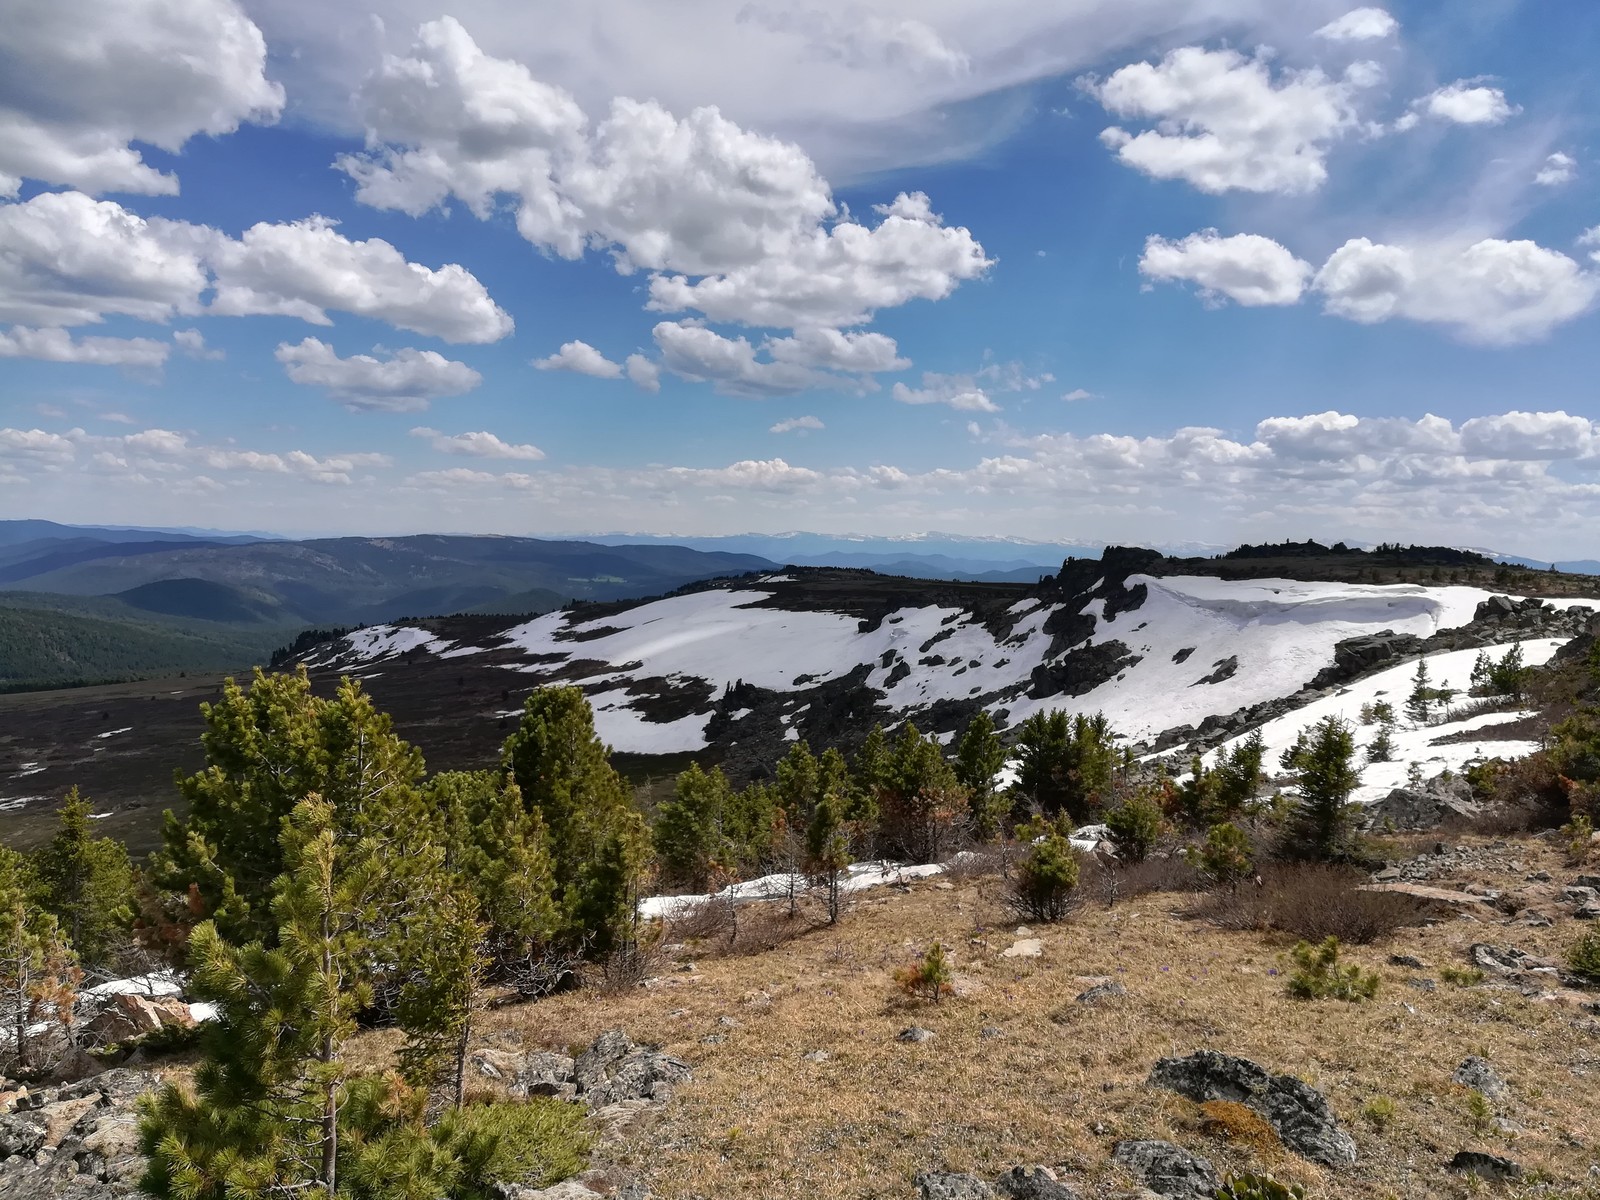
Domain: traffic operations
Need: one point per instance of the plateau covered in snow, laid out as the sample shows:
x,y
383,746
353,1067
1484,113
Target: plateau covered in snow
x,y
782,656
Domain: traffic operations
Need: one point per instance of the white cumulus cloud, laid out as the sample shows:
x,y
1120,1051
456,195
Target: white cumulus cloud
x,y
1246,268
193,343
832,349
1222,121
1360,25
67,259
304,268
952,392
84,81
1492,291
1464,102
581,358
405,381
1558,168
797,425
704,356
57,345
480,444
737,225
645,374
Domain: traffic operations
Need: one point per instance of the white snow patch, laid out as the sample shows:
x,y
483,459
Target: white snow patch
x,y
385,641
111,733
857,877
157,983
13,803
1413,744
27,769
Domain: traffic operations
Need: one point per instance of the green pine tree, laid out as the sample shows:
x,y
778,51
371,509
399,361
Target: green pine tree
x,y
264,1116
1239,777
828,848
797,778
692,839
923,803
598,841
1066,764
267,749
1419,704
39,973
87,883
1325,775
500,851
443,991
979,757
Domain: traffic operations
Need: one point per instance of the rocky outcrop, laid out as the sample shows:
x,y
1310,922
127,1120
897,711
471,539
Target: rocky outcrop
x,y
613,1070
1033,1183
1168,1170
1442,798
75,1142
1296,1111
1358,655
122,1016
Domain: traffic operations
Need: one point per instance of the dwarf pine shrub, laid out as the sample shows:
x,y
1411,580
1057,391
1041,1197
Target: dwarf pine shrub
x,y
1318,974
929,977
1583,956
1258,1187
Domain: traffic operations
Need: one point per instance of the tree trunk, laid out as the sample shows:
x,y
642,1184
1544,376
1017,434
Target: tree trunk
x,y
460,1085
330,1105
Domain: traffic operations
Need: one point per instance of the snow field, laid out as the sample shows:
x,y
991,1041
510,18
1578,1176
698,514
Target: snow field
x,y
1413,744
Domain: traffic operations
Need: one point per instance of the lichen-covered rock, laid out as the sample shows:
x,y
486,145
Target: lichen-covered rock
x,y
614,1069
952,1185
1033,1183
1476,1073
1485,1166
1168,1170
1298,1113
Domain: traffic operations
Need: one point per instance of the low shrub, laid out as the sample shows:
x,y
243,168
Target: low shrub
x,y
1258,1187
469,1153
1379,1111
1158,873
1461,976
1226,857
1579,833
929,978
1314,902
1046,882
1583,957
1318,974
1135,824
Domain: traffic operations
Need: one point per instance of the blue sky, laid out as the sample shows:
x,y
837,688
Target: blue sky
x,y
1144,271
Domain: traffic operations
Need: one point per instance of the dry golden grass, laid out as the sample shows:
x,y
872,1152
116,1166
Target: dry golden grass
x,y
1062,1081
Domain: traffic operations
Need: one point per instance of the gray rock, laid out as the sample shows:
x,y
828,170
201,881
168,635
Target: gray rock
x,y
1588,881
1168,1170
614,1070
816,1056
1296,1111
952,1185
545,1074
570,1189
1407,961
1034,1183
1485,1166
915,1033
19,1135
1110,990
1476,1073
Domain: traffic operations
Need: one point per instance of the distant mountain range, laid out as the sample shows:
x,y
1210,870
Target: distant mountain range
x,y
80,604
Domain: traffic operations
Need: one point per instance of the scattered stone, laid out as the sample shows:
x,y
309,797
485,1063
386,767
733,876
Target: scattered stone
x,y
1485,1166
1476,1073
816,1056
1586,881
614,1070
1168,1170
915,1033
1034,1183
714,1039
1110,990
1024,948
545,1074
1407,961
1442,899
1421,984
991,1032
1298,1112
952,1185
